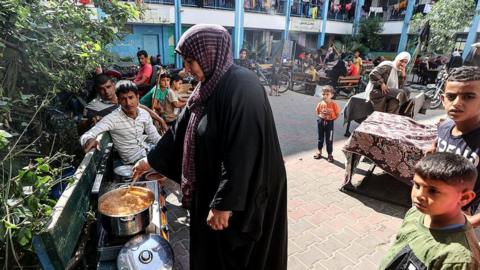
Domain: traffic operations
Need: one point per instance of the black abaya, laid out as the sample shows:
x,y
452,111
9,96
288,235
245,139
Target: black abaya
x,y
239,167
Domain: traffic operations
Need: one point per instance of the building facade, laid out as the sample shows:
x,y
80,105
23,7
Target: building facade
x,y
264,22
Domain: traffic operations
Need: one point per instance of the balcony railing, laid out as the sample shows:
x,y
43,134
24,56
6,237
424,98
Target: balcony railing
x,y
299,9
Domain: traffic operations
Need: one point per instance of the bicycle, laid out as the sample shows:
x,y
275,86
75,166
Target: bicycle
x,y
265,77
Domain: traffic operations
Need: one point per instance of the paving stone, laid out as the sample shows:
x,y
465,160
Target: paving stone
x,y
310,256
377,256
330,245
347,236
337,261
318,218
293,248
300,227
363,265
355,252
323,231
371,242
304,240
295,264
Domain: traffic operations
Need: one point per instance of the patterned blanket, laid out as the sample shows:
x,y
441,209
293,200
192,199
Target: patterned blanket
x,y
394,143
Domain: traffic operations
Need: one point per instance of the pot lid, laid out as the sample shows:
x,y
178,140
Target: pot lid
x,y
146,252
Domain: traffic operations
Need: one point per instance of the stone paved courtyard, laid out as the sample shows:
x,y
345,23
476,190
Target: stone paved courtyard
x,y
328,229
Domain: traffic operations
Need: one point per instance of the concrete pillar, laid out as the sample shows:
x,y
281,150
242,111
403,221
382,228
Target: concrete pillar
x,y
288,11
178,31
358,16
238,29
321,35
472,34
402,44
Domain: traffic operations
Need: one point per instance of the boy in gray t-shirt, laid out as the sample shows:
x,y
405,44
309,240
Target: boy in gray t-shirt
x,y
460,134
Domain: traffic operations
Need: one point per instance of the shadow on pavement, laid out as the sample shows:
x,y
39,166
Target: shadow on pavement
x,y
385,188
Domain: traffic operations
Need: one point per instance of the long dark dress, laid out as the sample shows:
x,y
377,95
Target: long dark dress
x,y
338,70
239,167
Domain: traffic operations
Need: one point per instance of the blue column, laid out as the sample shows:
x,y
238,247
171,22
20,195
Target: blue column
x,y
178,31
358,15
321,36
472,34
238,29
288,11
402,44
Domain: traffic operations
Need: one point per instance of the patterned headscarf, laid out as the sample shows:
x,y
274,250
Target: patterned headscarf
x,y
210,46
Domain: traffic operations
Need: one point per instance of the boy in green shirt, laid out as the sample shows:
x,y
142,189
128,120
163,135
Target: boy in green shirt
x,y
435,233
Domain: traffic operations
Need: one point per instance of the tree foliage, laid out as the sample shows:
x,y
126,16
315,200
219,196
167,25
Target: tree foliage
x,y
52,45
369,33
47,50
447,18
368,38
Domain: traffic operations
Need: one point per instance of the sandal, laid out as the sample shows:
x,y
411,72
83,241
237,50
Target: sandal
x,y
330,158
318,155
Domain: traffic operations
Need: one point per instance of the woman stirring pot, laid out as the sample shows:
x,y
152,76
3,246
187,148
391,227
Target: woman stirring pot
x,y
226,155
386,86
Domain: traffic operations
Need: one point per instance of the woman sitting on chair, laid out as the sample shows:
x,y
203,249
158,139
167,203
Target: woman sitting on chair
x,y
385,88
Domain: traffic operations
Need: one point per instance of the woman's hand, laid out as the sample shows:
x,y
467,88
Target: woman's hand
x,y
140,167
403,71
218,220
384,88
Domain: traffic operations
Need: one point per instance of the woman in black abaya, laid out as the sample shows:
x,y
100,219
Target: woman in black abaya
x,y
226,155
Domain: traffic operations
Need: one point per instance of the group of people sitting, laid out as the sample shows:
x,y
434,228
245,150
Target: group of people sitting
x,y
135,122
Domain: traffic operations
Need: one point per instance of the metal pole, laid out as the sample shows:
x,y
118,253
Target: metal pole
x,y
321,37
238,29
472,34
178,31
288,10
358,16
402,44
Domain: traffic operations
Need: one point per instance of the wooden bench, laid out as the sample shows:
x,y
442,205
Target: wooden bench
x,y
348,84
56,244
304,80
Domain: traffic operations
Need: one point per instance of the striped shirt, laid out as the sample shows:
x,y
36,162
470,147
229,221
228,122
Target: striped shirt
x,y
130,136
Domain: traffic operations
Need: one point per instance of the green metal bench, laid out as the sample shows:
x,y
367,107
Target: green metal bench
x,y
56,245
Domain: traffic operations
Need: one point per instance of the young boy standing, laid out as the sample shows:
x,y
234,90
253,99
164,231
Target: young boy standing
x,y
460,134
327,111
435,233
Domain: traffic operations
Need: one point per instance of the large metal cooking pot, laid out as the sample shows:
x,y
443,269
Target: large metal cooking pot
x,y
126,211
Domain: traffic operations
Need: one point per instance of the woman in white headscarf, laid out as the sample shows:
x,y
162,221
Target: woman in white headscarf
x,y
386,86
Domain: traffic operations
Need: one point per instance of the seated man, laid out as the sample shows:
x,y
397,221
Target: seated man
x,y
244,61
106,102
131,127
142,79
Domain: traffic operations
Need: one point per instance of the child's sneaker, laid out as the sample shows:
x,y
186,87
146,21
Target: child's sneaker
x,y
330,158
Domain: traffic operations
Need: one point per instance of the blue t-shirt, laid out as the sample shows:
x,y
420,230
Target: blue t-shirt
x,y
467,145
